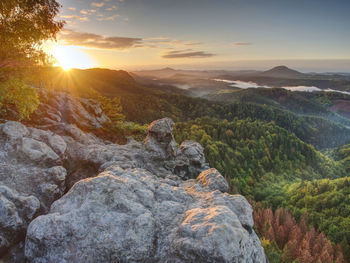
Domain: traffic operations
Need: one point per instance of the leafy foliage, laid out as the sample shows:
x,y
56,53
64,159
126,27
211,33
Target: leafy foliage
x,y
112,108
116,129
17,96
311,129
326,202
24,25
342,154
254,154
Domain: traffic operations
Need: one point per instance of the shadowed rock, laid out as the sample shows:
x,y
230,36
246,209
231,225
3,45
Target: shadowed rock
x,y
31,178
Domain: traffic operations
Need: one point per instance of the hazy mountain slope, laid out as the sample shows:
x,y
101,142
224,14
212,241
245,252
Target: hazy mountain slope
x,y
304,103
170,72
144,103
282,72
81,82
282,76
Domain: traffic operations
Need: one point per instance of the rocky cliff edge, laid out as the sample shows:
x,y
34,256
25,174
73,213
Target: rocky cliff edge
x,y
68,196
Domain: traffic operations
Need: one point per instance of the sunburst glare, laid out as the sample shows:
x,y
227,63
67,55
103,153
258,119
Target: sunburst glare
x,y
69,57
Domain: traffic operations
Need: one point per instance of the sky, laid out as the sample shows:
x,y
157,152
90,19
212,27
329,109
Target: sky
x,y
308,35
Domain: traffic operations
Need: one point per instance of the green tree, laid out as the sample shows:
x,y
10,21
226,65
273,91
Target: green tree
x,y
17,95
24,26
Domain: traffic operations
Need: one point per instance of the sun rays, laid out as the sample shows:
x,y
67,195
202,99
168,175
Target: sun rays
x,y
68,57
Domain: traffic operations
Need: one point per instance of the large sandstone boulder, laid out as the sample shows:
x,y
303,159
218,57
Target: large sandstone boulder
x,y
133,215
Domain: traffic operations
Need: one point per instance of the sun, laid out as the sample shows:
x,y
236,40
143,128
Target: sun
x,y
69,57
66,68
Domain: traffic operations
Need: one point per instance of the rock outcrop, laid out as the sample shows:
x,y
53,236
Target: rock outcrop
x,y
62,107
151,201
133,215
31,177
158,154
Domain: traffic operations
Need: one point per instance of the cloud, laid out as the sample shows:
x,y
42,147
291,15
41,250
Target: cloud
x,y
175,48
165,42
235,44
187,53
72,9
88,12
192,43
112,8
70,37
108,18
179,51
76,17
97,4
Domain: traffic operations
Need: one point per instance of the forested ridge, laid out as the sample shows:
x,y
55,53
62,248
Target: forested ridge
x,y
311,129
256,152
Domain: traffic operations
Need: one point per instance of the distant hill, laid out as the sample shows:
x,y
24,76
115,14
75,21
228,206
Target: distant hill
x,y
157,73
170,73
282,72
297,102
282,76
107,82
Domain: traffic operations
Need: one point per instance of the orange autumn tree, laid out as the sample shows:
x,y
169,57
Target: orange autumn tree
x,y
295,241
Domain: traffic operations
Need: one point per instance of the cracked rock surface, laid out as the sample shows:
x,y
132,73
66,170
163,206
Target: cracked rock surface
x,y
132,215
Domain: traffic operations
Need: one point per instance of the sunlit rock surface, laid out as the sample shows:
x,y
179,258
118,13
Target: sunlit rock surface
x,y
133,215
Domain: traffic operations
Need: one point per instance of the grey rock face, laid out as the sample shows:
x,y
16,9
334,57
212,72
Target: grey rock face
x,y
31,164
61,107
16,212
160,141
212,179
133,215
31,177
190,160
37,151
31,159
14,130
158,154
